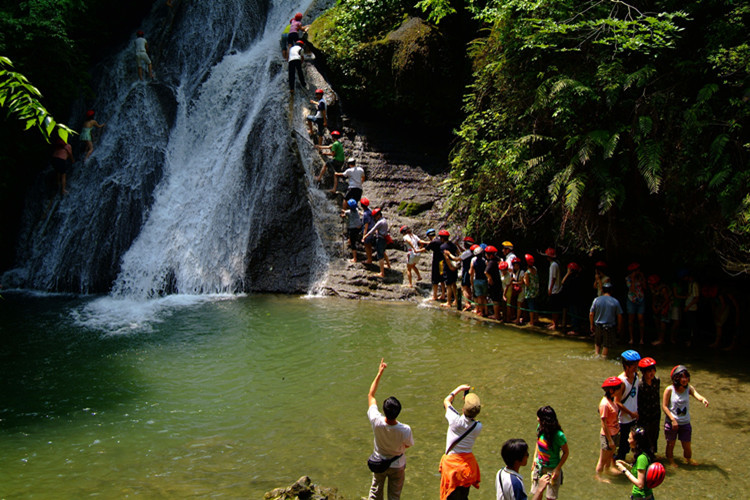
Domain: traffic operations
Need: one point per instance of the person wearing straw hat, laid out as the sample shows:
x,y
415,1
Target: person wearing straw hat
x,y
458,466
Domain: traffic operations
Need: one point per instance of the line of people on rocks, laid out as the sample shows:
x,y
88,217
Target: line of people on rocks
x,y
630,418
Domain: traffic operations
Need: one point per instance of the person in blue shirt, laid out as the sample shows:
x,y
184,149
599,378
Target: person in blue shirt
x,y
605,315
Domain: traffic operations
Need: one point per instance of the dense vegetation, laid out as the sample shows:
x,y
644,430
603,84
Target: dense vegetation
x,y
601,127
51,44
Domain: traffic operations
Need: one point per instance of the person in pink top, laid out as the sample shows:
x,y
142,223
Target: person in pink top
x,y
610,430
295,29
62,158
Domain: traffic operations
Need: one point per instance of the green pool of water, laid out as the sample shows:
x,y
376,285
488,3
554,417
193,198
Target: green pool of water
x,y
230,397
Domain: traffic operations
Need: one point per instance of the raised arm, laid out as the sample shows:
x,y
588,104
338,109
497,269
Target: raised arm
x,y
374,386
697,396
448,401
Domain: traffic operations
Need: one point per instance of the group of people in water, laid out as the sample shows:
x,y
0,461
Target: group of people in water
x,y
630,417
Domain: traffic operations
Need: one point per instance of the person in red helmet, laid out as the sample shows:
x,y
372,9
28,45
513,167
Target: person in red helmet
x,y
141,55
296,57
610,429
336,152
86,128
600,276
296,29
320,118
649,401
531,287
494,282
450,266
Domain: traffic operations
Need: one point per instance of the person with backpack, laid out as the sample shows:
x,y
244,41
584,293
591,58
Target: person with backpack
x,y
458,466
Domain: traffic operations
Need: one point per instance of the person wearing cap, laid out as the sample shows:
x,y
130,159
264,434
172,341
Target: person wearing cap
x,y
676,406
627,399
531,287
554,287
414,252
355,176
479,281
296,29
436,274
450,267
466,256
508,254
296,57
380,231
141,55
610,428
636,304
320,118
336,152
458,466
354,226
495,286
86,128
391,438
649,401
604,316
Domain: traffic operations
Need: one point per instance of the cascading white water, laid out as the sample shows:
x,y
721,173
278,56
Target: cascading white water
x,y
190,179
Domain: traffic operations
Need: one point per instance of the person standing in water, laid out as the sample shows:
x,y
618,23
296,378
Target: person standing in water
x,y
458,467
141,55
391,440
88,126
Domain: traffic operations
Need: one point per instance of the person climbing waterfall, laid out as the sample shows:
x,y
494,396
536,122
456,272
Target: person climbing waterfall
x,y
296,29
295,64
355,176
320,117
141,55
380,231
86,129
336,152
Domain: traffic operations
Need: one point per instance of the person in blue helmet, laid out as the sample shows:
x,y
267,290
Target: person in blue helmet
x,y
626,399
354,226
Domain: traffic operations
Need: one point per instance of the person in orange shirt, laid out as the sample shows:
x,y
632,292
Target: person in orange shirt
x,y
458,467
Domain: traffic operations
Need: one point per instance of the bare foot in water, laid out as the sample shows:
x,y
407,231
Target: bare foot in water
x,y
602,479
692,462
672,463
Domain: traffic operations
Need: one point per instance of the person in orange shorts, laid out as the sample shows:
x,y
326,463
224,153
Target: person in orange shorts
x,y
458,467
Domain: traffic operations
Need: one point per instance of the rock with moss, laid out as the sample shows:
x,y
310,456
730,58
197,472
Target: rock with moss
x,y
303,489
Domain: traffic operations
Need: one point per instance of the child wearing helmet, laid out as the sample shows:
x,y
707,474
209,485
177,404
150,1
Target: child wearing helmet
x,y
649,401
354,225
336,151
627,399
479,280
296,57
414,252
676,406
610,431
643,457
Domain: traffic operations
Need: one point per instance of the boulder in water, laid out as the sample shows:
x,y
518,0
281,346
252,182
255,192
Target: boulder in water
x,y
305,489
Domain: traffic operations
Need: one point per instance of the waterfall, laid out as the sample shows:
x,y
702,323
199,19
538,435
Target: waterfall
x,y
194,185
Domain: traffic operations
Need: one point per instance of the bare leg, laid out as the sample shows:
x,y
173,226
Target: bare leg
x,y
670,453
687,452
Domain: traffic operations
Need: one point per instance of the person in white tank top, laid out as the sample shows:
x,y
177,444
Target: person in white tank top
x,y
676,406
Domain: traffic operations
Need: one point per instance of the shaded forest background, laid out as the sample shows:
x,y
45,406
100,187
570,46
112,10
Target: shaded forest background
x,y
611,130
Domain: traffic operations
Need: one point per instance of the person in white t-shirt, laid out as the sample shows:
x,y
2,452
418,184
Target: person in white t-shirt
x,y
355,176
391,440
458,466
296,57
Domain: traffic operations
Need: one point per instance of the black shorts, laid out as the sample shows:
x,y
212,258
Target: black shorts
x,y
354,234
555,303
353,194
450,276
435,275
495,292
60,165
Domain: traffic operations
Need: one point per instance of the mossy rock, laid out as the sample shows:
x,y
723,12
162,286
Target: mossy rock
x,y
410,209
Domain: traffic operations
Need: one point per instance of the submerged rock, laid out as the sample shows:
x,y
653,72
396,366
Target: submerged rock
x,y
303,489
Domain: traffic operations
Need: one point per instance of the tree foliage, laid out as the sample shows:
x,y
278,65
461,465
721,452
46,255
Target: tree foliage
x,y
586,119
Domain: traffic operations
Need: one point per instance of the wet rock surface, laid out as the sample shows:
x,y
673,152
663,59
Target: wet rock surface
x,y
303,489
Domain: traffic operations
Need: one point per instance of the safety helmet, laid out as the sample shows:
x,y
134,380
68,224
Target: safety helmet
x,y
403,229
502,265
573,266
630,355
364,201
633,266
515,260
550,252
352,203
298,16
443,232
655,475
654,279
472,248
469,239
490,249
677,371
508,245
600,265
335,133
90,113
431,232
529,259
611,382
647,363
376,212
319,91
140,33
300,43
478,250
